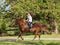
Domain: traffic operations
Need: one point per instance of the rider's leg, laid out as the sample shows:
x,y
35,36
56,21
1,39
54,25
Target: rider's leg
x,y
30,24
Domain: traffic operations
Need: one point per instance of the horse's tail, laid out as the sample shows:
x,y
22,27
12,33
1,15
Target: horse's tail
x,y
46,29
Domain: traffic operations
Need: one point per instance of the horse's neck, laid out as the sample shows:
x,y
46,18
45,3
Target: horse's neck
x,y
24,24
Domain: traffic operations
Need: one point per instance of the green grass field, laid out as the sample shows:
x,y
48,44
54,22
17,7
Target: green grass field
x,y
30,42
41,42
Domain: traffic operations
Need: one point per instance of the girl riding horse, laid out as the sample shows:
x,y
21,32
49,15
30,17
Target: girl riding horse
x,y
36,28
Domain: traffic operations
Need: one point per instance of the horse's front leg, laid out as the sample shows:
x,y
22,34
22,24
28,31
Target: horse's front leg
x,y
20,35
34,37
39,35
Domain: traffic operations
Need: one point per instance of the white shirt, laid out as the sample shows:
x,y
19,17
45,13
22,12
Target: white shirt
x,y
29,18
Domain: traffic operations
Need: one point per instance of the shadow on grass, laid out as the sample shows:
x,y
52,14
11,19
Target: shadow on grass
x,y
31,42
53,44
38,43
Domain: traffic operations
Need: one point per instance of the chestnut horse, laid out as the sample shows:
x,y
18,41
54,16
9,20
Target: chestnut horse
x,y
36,28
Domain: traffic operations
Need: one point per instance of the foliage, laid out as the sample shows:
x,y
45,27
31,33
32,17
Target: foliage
x,y
43,11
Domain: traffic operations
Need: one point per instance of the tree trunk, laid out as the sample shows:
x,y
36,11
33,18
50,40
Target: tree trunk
x,y
53,26
56,27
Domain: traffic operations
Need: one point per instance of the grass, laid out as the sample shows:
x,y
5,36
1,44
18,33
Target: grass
x,y
30,42
31,36
41,42
45,36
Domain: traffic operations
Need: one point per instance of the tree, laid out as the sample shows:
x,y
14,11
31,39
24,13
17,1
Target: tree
x,y
47,10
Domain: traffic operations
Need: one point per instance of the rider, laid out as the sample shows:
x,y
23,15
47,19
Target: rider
x,y
29,20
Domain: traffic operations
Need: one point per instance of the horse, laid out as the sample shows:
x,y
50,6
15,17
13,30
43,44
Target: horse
x,y
36,28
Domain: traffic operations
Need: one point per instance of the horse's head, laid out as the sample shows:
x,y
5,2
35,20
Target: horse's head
x,y
18,22
15,22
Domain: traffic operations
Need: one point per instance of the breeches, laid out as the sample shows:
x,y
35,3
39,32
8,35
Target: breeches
x,y
30,24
